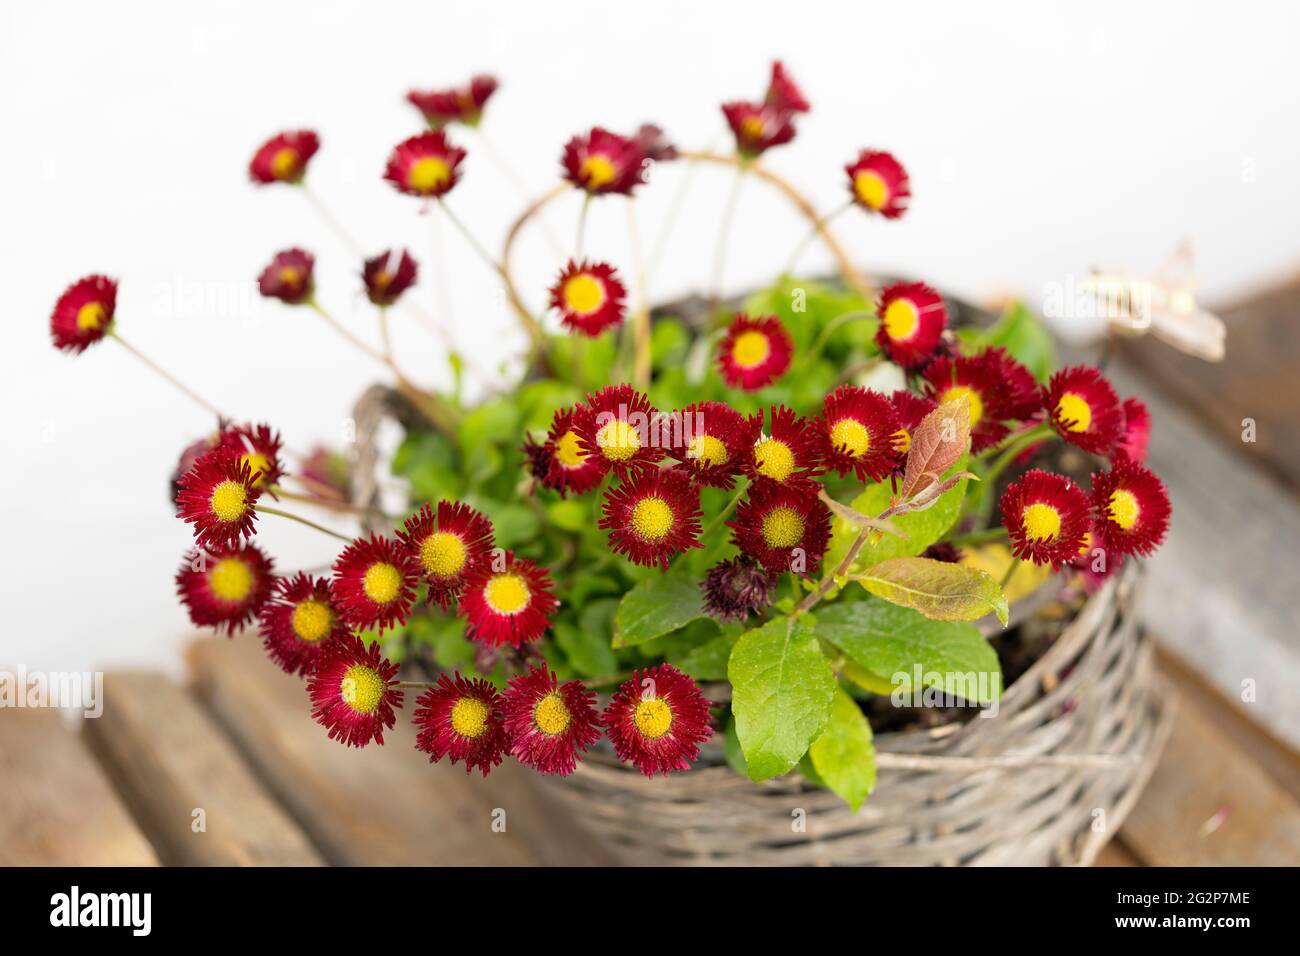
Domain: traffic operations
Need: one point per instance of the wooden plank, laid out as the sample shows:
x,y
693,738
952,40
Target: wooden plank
x,y
186,784
376,805
56,807
1115,853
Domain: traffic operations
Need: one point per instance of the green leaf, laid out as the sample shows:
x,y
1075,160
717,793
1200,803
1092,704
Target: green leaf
x,y
731,747
781,693
844,755
891,642
669,343
655,607
539,400
922,528
1021,333
939,590
587,646
708,660
569,514
495,421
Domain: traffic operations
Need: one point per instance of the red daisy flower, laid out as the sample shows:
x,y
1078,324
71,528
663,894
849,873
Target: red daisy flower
x,y
975,380
603,162
426,165
737,588
461,104
84,313
910,410
712,441
1137,430
258,446
1047,517
297,621
225,587
1022,399
563,462
912,318
790,453
388,275
783,528
1094,563
1131,509
757,127
652,516
284,157
217,496
589,297
754,352
288,277
657,720
374,583
878,183
449,547
353,692
507,601
783,94
549,724
654,143
620,426
461,719
1084,409
859,429
189,455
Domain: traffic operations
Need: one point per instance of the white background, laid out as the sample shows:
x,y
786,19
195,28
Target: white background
x,y
1041,139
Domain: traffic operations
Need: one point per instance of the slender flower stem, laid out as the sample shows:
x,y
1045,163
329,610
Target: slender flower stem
x,y
725,513
508,170
168,376
1013,448
262,509
817,229
674,212
1011,570
384,335
341,507
724,236
831,328
412,685
582,226
641,315
342,330
332,222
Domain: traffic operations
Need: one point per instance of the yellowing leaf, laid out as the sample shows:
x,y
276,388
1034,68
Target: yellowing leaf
x,y
844,756
939,590
993,559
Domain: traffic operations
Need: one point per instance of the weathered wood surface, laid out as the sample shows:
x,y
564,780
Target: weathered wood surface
x,y
56,807
186,783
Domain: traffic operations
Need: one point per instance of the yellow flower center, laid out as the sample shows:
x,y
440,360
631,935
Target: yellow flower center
x,y
850,435
707,450
428,173
256,462
362,688
228,501
91,316
596,171
782,527
1075,411
1042,522
469,717
443,554
231,580
382,582
901,319
284,163
568,450
972,397
312,621
1124,508
871,189
750,349
1087,543
584,294
902,441
653,718
651,518
752,127
774,459
507,594
551,715
618,440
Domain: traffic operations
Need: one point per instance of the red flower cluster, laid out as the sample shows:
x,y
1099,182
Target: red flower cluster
x,y
462,104
758,126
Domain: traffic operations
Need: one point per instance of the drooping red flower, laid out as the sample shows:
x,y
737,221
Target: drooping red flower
x,y
83,314
461,719
944,551
783,94
652,516
1047,516
226,586
188,456
654,143
757,126
284,157
549,724
602,162
218,496
736,588
1084,409
388,275
450,546
879,183
563,462
1022,399
288,277
1137,430
1130,509
755,352
589,297
426,165
712,441
326,472
353,691
784,528
619,425
461,104
974,379
657,720
912,318
374,583
297,621
789,453
859,428
508,600
258,446
910,410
